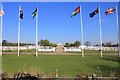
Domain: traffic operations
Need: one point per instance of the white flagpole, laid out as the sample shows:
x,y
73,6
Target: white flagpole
x,y
19,31
100,32
117,26
37,33
1,33
81,31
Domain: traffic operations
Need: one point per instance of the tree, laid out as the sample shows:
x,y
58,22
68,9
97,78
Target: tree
x,y
4,42
114,45
53,45
87,43
103,44
46,43
72,44
40,42
67,44
77,43
96,45
108,44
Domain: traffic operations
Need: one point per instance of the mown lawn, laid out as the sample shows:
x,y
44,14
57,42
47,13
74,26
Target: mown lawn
x,y
68,65
86,51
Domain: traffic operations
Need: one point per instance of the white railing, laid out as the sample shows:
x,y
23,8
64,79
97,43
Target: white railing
x,y
103,48
46,49
110,48
72,49
16,48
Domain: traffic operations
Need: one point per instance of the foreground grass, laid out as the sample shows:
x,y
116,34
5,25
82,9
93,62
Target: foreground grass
x,y
68,65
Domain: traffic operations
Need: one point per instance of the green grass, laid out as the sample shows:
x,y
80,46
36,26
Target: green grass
x,y
68,65
86,51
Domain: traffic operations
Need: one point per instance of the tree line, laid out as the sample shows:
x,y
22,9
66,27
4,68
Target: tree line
x,y
75,44
6,43
87,43
109,44
67,44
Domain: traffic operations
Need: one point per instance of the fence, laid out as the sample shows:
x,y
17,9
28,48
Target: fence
x,y
16,48
72,49
103,48
52,49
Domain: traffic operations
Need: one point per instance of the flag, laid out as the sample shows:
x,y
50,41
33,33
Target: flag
x,y
94,13
1,13
110,11
21,13
34,13
76,11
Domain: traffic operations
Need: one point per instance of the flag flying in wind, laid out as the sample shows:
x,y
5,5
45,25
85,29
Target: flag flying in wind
x,y
21,13
34,13
76,11
110,11
94,13
1,13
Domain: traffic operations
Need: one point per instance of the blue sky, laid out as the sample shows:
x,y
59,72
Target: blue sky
x,y
55,23
59,0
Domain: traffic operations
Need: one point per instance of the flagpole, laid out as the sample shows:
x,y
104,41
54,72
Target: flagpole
x,y
100,32
1,32
117,26
81,31
19,31
37,33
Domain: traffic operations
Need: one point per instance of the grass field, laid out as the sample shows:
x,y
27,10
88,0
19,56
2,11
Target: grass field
x,y
68,65
34,50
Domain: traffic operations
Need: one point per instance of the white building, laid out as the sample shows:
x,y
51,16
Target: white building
x,y
59,45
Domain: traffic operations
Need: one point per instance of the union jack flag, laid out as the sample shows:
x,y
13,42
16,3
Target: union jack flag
x,y
110,11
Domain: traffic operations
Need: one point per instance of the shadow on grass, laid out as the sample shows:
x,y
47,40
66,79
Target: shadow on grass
x,y
105,70
33,54
110,58
108,70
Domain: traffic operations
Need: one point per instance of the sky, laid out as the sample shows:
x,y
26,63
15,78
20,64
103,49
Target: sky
x,y
60,0
55,22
